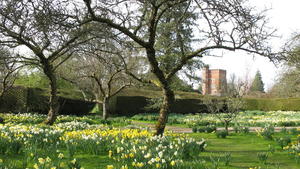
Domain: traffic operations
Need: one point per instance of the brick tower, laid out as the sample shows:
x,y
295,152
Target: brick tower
x,y
214,82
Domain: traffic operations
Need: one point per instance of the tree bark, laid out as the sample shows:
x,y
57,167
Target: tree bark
x,y
168,94
53,101
105,107
164,111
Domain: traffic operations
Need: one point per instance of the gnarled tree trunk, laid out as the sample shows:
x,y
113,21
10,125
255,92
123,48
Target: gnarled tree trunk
x,y
168,100
53,101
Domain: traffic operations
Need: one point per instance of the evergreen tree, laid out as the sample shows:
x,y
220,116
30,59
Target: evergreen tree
x,y
257,84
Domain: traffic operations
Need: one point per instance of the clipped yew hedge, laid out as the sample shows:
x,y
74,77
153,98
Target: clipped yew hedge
x,y
272,104
14,100
130,105
21,100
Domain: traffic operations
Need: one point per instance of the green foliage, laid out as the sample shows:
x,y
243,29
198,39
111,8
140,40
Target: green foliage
x,y
263,157
270,104
21,99
174,34
222,133
283,141
14,100
39,80
206,129
257,84
178,84
287,85
130,105
227,158
267,132
241,129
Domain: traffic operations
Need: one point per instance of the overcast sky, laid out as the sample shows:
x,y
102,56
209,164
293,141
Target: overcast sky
x,y
284,16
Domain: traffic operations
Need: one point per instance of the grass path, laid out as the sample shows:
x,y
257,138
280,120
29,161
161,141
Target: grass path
x,y
244,149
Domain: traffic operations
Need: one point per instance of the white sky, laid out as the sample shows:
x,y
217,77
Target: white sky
x,y
284,16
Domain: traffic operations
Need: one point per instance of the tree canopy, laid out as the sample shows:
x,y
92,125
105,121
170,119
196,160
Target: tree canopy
x,y
219,25
257,84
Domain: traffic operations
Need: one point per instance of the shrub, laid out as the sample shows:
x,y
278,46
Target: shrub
x,y
194,129
287,123
222,133
202,129
210,128
294,131
241,129
284,141
283,130
245,130
268,132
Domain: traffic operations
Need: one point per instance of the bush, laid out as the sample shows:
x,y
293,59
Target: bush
x,y
268,132
222,133
241,129
210,128
294,131
202,129
284,141
287,123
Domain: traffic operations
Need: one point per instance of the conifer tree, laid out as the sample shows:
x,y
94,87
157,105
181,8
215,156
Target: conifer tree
x,y
257,84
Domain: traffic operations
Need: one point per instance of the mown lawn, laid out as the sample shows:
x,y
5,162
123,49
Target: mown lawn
x,y
244,149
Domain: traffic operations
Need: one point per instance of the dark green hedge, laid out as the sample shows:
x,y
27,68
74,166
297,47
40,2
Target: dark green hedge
x,y
20,99
129,105
14,100
75,107
266,104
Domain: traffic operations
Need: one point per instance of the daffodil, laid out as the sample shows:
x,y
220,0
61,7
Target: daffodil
x,y
110,167
41,160
172,163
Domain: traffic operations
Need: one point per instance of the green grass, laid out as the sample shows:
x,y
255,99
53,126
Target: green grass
x,y
244,149
87,161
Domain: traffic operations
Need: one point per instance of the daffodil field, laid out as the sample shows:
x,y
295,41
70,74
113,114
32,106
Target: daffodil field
x,y
92,143
247,118
25,143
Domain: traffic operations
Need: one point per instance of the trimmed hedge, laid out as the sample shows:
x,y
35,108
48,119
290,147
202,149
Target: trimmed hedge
x,y
21,99
264,104
131,105
75,107
14,100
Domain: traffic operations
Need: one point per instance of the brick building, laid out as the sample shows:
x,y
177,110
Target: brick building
x,y
214,82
